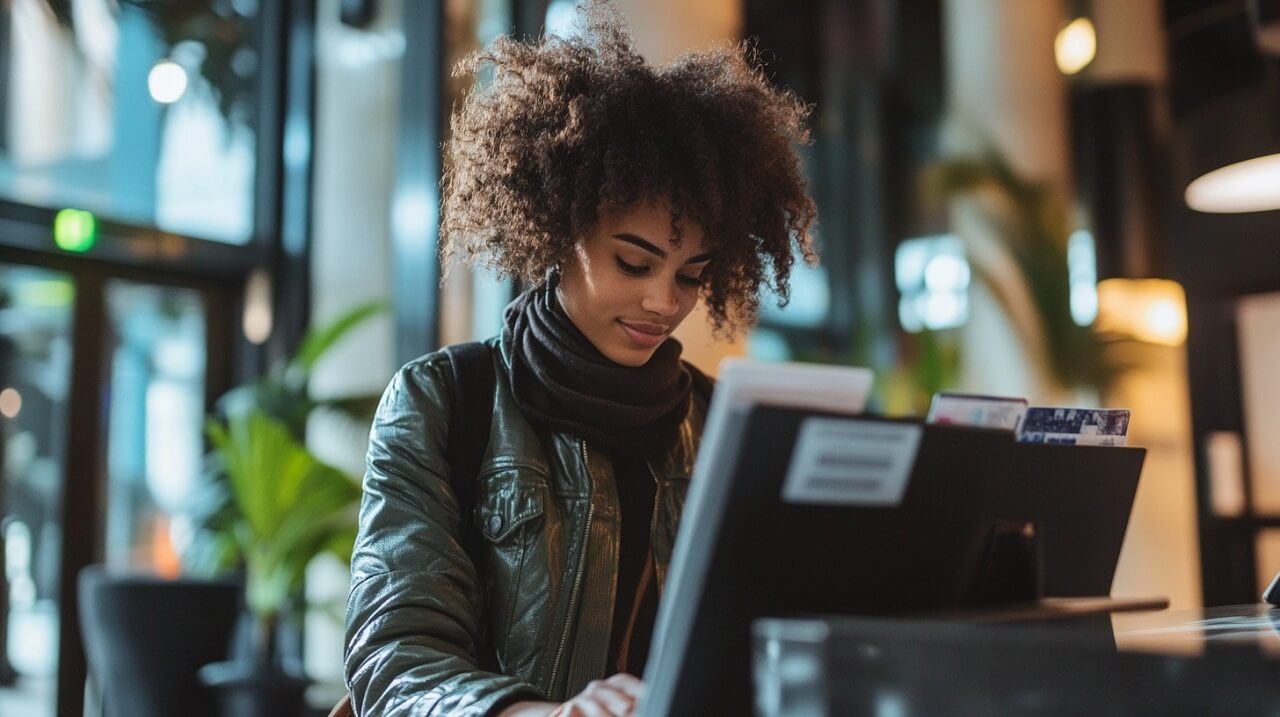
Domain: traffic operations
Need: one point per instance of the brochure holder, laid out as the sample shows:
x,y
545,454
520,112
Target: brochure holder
x,y
1080,499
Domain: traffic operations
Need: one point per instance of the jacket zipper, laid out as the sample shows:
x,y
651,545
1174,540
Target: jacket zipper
x,y
653,516
577,578
657,484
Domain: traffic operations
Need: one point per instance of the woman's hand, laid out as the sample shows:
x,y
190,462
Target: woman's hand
x,y
613,697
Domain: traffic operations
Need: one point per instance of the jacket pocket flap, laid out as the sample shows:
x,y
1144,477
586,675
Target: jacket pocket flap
x,y
507,505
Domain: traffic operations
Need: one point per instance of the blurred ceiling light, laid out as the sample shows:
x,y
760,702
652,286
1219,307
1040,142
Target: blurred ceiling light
x,y
1075,46
932,275
1082,275
256,321
1150,310
1249,186
167,82
944,310
10,403
1233,149
946,272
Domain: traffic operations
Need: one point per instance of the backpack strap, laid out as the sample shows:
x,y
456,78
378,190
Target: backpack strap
x,y
474,384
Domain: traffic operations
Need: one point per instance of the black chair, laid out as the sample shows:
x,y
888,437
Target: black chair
x,y
146,637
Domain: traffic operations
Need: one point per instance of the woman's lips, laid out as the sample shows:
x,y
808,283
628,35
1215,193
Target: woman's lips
x,y
645,335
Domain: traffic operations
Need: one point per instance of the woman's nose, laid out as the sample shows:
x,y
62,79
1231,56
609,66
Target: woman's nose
x,y
660,298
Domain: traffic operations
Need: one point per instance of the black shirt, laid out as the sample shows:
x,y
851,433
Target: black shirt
x,y
637,593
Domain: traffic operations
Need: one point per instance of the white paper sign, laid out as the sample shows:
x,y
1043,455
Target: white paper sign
x,y
843,462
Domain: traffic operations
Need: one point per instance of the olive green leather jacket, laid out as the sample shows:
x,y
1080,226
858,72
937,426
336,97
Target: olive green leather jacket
x,y
526,610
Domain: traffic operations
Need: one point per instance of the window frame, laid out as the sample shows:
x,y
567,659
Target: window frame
x,y
279,244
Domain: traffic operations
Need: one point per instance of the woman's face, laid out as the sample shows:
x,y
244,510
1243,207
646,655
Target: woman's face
x,y
628,287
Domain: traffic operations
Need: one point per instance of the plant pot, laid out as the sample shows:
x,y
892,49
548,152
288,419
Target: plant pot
x,y
262,676
248,688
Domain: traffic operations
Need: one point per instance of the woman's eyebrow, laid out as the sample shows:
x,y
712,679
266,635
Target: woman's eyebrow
x,y
655,250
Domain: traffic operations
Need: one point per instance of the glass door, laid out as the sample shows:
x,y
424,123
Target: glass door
x,y
148,354
155,354
35,375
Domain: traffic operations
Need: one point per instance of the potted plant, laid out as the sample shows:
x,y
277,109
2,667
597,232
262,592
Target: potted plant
x,y
262,487
291,508
1031,224
282,393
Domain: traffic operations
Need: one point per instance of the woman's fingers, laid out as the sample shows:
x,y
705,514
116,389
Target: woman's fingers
x,y
629,684
617,700
612,697
583,706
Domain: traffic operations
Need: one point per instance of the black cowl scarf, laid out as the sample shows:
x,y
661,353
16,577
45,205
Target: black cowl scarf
x,y
561,381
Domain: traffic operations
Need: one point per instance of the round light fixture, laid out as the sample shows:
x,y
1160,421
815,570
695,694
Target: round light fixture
x,y
1249,186
167,82
1075,46
10,403
257,320
1150,310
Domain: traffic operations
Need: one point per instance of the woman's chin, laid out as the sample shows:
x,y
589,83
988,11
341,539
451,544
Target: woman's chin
x,y
630,357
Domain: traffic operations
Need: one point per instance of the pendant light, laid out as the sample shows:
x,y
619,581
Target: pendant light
x,y
1248,138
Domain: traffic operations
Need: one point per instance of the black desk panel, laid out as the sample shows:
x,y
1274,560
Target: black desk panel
x,y
1217,662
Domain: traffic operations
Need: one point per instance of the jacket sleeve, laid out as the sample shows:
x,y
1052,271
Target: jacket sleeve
x,y
413,611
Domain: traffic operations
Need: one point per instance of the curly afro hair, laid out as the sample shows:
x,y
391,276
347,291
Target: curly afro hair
x,y
571,127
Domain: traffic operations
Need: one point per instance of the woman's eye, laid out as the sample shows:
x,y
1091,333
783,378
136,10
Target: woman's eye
x,y
631,269
689,280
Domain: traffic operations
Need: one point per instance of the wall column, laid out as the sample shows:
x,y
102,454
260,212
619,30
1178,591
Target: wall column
x,y
1004,94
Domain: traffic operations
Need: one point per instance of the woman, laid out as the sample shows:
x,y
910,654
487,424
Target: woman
x,y
622,194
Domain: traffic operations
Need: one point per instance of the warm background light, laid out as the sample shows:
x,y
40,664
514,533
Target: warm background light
x,y
1249,186
10,403
1075,46
1151,310
257,319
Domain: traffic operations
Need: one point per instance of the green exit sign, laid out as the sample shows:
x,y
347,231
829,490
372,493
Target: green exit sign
x,y
75,230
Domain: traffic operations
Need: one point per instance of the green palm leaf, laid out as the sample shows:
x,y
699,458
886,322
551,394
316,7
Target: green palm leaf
x,y
291,504
281,394
317,341
1033,228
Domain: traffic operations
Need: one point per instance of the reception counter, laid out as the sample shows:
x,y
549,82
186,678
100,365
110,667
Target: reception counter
x,y
1221,661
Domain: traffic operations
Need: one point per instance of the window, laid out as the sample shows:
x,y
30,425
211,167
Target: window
x,y
156,357
35,375
153,116
1082,273
932,275
143,113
